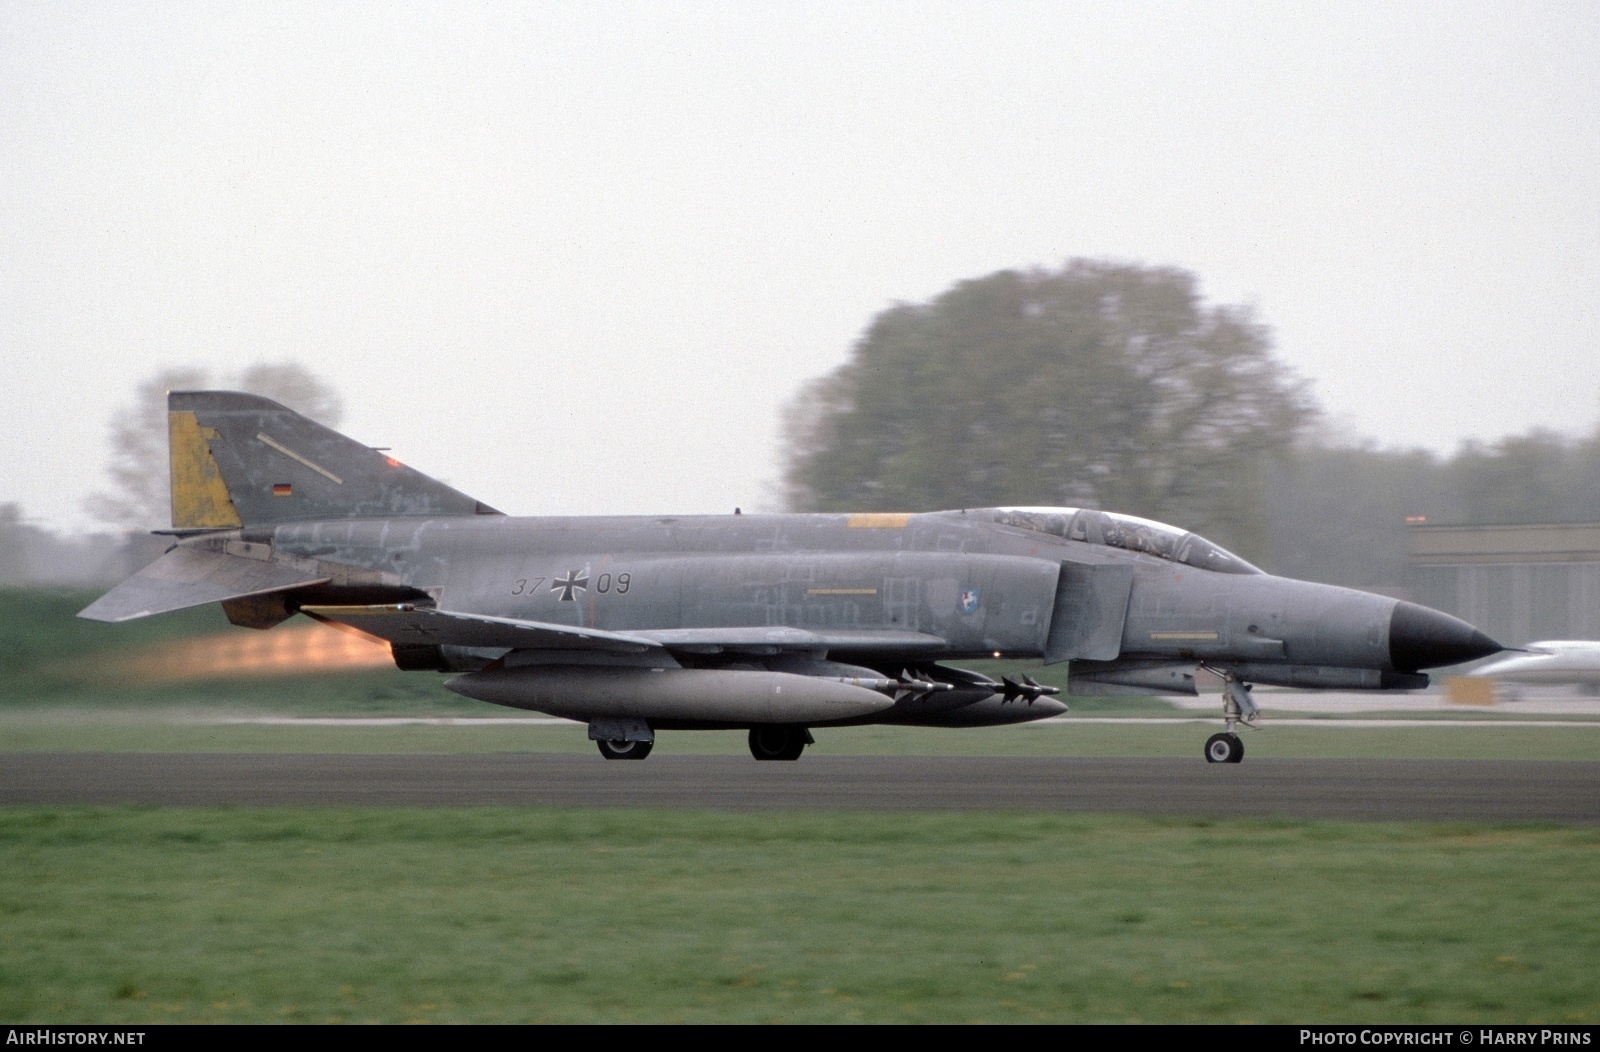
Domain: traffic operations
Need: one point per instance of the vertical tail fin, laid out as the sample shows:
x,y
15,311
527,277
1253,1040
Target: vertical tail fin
x,y
242,460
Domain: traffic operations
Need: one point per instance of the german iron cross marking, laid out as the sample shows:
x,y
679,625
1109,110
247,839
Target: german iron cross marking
x,y
569,584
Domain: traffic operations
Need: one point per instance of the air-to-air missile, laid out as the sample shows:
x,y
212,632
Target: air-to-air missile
x,y
774,623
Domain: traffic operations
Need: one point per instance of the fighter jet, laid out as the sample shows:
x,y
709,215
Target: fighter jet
x,y
775,624
1552,661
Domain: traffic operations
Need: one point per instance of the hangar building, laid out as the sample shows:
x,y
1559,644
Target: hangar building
x,y
1517,583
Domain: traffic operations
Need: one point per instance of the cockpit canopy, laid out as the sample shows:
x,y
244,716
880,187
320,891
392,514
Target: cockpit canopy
x,y
1128,532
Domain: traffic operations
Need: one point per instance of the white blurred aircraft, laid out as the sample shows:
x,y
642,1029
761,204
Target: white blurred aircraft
x,y
1552,661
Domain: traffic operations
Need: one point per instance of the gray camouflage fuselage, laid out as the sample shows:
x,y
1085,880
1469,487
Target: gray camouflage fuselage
x,y
978,588
737,620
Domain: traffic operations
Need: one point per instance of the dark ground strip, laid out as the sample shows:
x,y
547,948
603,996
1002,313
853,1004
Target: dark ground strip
x,y
1388,790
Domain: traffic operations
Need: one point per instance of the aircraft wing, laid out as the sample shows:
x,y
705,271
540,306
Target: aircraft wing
x,y
411,625
186,577
771,639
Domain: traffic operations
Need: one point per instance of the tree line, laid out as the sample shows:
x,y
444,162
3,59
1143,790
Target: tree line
x,y
1097,384
1338,512
1114,385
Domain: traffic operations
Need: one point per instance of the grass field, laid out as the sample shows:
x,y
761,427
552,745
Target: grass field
x,y
143,916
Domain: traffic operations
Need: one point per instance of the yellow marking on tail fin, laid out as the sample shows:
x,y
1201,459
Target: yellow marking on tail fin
x,y
200,497
878,520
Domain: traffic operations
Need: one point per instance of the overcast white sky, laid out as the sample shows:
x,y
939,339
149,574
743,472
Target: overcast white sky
x,y
574,257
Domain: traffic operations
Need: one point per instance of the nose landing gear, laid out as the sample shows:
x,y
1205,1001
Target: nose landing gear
x,y
1237,707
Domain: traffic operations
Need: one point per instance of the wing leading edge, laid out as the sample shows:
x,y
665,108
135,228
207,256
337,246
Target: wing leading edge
x,y
407,624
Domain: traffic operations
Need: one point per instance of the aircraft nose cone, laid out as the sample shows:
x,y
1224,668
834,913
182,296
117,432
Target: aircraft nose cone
x,y
1422,638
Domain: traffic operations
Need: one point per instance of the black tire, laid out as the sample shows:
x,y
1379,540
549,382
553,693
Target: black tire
x,y
1224,748
625,750
777,743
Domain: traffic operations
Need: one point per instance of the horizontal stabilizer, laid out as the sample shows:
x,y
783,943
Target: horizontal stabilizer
x,y
186,577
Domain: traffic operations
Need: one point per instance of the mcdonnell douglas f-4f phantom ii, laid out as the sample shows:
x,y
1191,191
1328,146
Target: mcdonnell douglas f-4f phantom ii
x,y
772,623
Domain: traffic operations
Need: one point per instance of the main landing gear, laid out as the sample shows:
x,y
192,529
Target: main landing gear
x,y
1237,707
625,750
777,742
622,739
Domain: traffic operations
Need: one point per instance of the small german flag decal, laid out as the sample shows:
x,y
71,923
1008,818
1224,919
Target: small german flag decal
x,y
282,489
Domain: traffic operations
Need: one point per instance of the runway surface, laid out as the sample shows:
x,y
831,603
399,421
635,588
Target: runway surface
x,y
1365,790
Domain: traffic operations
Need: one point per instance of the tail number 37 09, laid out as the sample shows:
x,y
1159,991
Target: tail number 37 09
x,y
575,582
